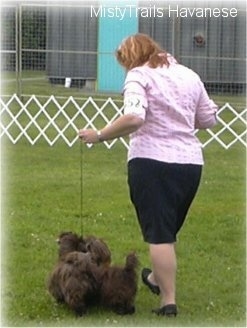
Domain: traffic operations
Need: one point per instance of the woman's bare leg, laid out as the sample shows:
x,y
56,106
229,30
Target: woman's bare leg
x,y
163,258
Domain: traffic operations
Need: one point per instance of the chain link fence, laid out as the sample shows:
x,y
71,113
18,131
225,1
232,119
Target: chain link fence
x,y
43,43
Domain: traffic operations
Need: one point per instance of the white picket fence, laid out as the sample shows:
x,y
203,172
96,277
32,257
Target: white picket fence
x,y
52,120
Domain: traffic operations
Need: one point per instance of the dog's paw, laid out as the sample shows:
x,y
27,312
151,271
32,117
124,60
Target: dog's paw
x,y
121,310
80,311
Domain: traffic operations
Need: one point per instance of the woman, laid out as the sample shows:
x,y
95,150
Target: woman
x,y
164,102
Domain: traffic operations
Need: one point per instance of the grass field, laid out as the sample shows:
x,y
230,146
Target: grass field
x,y
37,83
41,197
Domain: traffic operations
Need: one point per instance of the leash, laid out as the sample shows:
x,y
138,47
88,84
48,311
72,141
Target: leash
x,y
81,187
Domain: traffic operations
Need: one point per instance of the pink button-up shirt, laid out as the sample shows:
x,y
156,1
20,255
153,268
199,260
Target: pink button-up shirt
x,y
173,102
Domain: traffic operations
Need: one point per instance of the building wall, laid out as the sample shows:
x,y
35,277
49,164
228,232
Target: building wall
x,y
214,47
111,31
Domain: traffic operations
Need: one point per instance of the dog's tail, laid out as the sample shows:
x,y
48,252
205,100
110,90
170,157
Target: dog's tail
x,y
131,262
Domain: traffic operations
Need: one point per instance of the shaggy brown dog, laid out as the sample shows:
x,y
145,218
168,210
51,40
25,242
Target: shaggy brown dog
x,y
119,286
75,278
99,251
70,242
74,281
83,276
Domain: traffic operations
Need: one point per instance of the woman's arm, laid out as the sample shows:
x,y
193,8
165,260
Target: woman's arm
x,y
122,126
206,111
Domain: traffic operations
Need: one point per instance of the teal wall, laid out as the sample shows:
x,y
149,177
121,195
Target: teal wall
x,y
111,31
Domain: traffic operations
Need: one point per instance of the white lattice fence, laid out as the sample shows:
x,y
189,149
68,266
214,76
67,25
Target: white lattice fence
x,y
56,119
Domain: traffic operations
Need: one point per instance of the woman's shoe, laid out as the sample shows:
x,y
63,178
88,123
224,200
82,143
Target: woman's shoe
x,y
154,288
169,310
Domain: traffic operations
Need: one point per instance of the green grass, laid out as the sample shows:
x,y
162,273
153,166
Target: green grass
x,y
41,198
37,83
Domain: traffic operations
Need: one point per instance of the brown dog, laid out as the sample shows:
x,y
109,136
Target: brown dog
x,y
74,281
119,286
70,242
83,276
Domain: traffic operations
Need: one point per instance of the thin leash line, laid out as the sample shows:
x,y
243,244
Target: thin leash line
x,y
81,187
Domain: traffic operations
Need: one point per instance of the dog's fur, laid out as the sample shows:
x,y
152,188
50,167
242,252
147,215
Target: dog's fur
x,y
70,242
83,276
73,281
99,251
119,286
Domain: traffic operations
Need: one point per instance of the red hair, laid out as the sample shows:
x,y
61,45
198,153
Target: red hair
x,y
139,49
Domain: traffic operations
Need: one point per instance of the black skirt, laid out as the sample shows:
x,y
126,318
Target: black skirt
x,y
162,194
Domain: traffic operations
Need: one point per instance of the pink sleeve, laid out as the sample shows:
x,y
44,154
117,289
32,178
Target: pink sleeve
x,y
206,110
135,83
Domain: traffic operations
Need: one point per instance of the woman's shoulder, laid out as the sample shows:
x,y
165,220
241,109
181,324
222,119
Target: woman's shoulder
x,y
171,59
183,69
137,73
145,68
139,69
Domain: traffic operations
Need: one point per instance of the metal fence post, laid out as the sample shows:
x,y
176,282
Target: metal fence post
x,y
176,38
18,40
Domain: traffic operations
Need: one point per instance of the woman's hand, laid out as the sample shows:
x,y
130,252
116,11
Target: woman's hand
x,y
88,136
122,126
